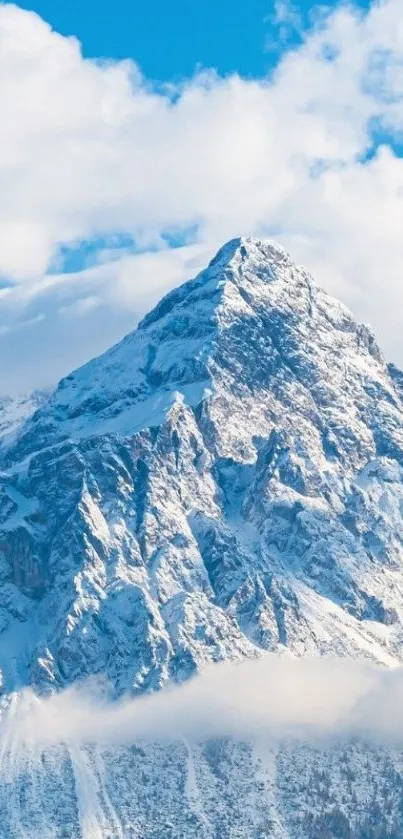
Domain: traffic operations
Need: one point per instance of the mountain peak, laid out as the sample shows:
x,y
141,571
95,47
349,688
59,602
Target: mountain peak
x,y
242,248
248,423
247,324
257,260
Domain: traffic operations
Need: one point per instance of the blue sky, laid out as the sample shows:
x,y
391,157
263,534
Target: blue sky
x,y
169,40
281,120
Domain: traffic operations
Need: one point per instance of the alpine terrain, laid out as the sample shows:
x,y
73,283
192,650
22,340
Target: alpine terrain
x,y
226,481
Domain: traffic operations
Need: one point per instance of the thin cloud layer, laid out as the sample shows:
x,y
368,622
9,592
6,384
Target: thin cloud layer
x,y
309,156
274,697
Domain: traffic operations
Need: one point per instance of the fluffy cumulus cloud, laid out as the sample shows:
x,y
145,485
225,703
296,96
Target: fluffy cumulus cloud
x,y
90,151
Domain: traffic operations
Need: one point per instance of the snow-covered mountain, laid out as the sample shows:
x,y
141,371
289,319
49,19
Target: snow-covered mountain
x,y
225,481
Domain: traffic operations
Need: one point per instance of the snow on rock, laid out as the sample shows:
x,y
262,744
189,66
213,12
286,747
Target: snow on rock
x,y
14,410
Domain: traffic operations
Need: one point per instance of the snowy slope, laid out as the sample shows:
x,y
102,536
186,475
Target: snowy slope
x,y
14,410
225,481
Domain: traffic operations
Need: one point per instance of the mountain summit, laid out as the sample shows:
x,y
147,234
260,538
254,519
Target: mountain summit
x,y
214,477
225,481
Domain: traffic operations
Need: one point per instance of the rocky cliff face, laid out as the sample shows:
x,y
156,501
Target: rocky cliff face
x,y
225,481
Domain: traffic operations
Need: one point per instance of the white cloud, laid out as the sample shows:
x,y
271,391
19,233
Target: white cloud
x,y
284,23
275,697
88,149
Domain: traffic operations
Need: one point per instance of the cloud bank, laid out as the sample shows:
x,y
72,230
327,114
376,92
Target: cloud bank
x,y
91,151
273,697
